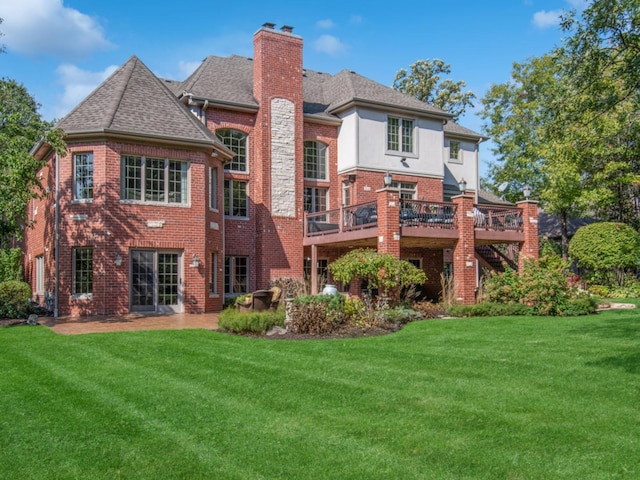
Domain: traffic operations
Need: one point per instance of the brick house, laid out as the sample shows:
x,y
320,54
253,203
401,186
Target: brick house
x,y
175,195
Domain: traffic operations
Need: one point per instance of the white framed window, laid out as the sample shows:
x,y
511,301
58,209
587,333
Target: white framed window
x,y
235,141
82,271
407,190
236,275
315,160
213,284
83,176
40,274
213,188
454,151
315,199
400,136
158,180
236,203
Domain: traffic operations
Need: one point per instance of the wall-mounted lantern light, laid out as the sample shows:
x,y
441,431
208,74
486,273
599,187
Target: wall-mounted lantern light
x,y
118,259
388,179
195,261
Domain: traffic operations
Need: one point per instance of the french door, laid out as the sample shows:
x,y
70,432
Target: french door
x,y
156,281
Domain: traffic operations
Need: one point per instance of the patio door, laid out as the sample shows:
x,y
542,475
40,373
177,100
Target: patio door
x,y
156,281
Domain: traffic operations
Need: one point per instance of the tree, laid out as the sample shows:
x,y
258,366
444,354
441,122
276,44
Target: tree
x,y
20,129
379,270
423,82
606,247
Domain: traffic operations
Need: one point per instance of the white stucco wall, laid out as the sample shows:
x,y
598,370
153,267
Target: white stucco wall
x,y
363,143
465,167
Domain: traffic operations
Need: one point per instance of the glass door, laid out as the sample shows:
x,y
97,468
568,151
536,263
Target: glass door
x,y
156,281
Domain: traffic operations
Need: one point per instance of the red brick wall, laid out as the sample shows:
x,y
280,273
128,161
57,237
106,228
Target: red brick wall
x,y
114,227
368,182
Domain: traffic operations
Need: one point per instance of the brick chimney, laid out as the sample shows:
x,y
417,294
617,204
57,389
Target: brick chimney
x,y
278,143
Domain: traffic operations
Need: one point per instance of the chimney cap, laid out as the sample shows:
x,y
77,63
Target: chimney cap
x,y
269,25
287,28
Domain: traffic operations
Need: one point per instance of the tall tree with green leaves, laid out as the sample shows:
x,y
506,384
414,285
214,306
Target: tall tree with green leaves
x,y
20,129
424,81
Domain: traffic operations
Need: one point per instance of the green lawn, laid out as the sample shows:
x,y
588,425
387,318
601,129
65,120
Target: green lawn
x,y
503,398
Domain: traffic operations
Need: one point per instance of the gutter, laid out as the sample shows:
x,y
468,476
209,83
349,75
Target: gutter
x,y
56,293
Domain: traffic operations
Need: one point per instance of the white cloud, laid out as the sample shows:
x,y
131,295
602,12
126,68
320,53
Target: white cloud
x,y
330,45
77,84
355,20
37,27
546,19
325,24
187,68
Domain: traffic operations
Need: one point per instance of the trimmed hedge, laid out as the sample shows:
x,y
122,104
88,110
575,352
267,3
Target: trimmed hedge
x,y
232,320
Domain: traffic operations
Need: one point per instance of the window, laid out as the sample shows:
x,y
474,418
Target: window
x,y
235,198
400,134
83,176
236,275
416,262
83,271
40,274
346,194
407,190
213,285
236,142
454,150
322,270
315,199
213,188
315,160
154,180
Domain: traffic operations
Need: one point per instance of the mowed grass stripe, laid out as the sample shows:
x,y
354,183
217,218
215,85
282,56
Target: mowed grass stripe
x,y
471,398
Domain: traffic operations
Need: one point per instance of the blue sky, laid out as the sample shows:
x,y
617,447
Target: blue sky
x,y
62,49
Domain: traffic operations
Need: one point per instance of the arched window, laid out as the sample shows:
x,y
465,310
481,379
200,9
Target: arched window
x,y
315,160
236,142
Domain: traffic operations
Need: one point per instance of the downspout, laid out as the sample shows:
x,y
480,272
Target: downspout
x,y
56,245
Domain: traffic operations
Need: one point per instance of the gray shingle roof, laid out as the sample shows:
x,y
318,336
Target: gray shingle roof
x,y
223,79
455,129
134,101
229,80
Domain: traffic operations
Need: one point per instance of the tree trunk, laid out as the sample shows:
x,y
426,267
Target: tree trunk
x,y
564,235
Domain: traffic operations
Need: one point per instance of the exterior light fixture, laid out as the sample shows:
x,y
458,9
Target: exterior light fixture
x,y
462,185
118,259
195,261
387,180
526,190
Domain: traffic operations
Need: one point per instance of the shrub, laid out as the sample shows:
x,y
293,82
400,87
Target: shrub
x,y
10,264
429,309
599,290
582,305
400,315
606,247
317,314
232,320
14,298
503,287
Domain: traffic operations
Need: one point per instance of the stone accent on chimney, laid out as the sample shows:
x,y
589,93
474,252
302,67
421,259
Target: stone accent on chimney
x,y
283,168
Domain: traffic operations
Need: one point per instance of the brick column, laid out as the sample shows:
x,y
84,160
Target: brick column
x,y
389,221
464,258
528,248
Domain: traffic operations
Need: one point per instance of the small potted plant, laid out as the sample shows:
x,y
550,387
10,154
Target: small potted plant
x,y
244,303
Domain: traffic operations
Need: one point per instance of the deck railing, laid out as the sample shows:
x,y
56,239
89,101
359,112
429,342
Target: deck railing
x,y
413,213
497,219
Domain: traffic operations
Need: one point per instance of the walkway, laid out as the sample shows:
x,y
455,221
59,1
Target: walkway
x,y
130,322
